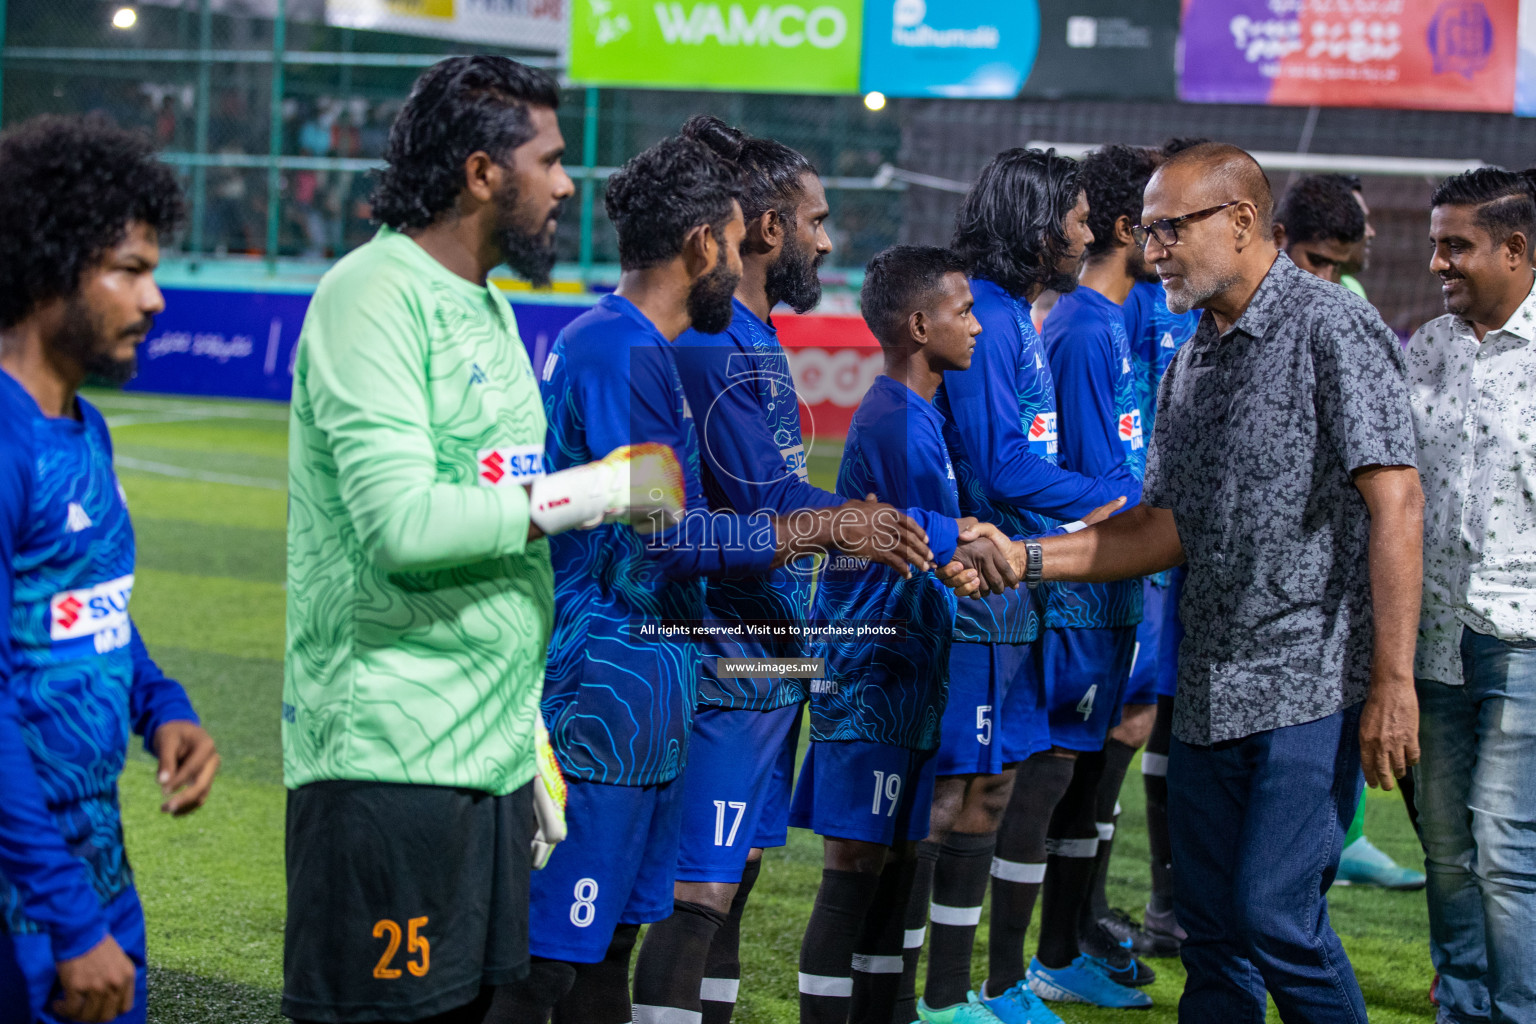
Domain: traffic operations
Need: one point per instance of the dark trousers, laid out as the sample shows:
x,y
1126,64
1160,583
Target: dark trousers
x,y
1257,827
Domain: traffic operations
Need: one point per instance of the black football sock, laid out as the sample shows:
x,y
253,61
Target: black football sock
x,y
1018,867
722,968
1072,847
1117,758
959,887
877,954
600,994
1154,777
915,931
826,954
669,973
530,1001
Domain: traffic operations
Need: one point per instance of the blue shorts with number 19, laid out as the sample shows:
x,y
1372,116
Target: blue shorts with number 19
x,y
617,866
856,789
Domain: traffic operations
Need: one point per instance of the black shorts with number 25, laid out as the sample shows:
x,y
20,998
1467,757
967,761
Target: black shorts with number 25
x,y
403,901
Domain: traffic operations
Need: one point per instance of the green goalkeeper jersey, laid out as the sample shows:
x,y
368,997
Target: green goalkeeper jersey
x,y
418,611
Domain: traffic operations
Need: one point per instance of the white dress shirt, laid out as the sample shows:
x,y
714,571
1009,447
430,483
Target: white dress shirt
x,y
1474,405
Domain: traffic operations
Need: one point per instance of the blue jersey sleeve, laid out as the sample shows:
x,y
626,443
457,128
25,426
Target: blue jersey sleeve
x,y
984,408
55,888
746,460
155,698
630,401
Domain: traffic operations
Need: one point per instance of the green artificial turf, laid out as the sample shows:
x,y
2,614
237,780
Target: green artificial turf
x,y
208,506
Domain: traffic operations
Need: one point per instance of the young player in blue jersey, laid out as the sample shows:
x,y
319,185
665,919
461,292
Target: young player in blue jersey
x,y
83,208
620,687
1021,229
866,784
741,754
1090,635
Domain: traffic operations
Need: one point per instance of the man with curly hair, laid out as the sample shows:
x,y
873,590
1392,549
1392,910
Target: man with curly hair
x,y
84,207
420,593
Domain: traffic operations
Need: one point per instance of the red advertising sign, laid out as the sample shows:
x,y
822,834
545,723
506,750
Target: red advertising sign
x,y
833,360
1413,54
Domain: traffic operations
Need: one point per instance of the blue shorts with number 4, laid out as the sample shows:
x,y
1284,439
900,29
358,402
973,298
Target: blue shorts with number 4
x,y
29,980
1086,671
970,736
855,789
741,765
617,865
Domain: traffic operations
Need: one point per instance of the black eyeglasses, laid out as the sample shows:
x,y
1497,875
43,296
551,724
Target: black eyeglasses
x,y
1166,231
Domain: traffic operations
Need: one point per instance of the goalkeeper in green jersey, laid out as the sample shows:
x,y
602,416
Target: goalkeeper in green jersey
x,y
420,594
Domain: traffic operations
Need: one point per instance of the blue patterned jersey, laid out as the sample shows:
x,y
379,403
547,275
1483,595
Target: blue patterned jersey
x,y
75,678
890,690
619,694
1100,432
1155,334
753,459
1001,428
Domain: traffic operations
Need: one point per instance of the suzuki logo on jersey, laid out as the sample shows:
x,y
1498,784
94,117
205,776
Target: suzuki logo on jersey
x,y
98,613
1042,434
517,464
794,461
1130,429
77,519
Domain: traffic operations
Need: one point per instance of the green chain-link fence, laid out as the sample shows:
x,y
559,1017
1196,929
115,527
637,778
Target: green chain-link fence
x,y
275,111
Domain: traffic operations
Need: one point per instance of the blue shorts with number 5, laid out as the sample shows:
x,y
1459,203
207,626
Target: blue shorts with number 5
x,y
855,789
971,734
1086,671
617,866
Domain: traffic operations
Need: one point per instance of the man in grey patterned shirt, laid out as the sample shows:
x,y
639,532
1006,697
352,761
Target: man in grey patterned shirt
x,y
1282,471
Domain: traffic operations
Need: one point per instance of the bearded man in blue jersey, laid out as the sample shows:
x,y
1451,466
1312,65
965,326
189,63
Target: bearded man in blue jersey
x,y
83,209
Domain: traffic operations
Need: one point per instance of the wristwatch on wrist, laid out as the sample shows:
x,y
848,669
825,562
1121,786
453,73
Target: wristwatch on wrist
x,y
1034,563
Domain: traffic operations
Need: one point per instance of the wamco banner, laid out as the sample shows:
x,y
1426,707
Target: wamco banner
x,y
811,47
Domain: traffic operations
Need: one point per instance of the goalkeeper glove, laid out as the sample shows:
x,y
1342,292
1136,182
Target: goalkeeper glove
x,y
548,797
639,484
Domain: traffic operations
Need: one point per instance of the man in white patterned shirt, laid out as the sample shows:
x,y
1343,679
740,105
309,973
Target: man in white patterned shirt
x,y
1473,380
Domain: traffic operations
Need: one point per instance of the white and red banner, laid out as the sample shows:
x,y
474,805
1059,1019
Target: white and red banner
x,y
833,360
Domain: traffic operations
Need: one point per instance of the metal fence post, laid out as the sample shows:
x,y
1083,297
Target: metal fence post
x,y
588,183
275,143
200,130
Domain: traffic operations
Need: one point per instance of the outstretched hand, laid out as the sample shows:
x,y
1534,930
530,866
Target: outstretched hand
x,y
188,761
990,552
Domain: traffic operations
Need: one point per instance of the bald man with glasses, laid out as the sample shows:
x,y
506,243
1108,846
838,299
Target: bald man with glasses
x,y
1281,472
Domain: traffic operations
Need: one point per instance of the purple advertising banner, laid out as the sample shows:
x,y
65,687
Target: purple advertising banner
x,y
241,344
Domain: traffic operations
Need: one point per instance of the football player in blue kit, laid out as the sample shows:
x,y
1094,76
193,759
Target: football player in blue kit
x,y
1021,229
83,209
1090,636
866,785
741,755
621,687
1155,334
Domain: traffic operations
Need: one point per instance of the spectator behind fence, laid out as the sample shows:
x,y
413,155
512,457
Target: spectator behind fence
x,y
1470,374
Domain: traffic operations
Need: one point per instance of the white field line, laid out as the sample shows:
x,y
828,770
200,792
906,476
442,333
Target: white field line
x,y
182,472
